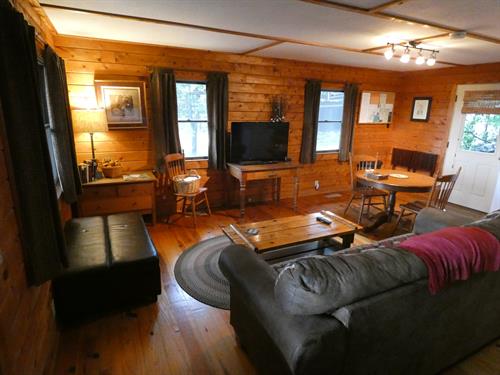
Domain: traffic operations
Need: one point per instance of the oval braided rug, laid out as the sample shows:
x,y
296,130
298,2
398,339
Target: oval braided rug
x,y
197,272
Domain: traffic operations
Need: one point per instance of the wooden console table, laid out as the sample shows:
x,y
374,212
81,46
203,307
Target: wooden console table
x,y
113,195
245,173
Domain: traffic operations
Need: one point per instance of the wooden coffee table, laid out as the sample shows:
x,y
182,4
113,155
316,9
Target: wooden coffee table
x,y
292,232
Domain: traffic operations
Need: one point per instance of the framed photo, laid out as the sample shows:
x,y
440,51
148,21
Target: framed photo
x,y
123,102
421,109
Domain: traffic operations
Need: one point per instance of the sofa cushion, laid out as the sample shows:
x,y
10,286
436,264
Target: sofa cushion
x,y
86,244
322,284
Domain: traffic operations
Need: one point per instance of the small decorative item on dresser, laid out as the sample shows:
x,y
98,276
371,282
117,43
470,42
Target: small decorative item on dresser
x,y
111,169
187,183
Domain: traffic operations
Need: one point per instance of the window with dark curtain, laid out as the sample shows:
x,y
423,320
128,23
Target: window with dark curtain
x,y
47,123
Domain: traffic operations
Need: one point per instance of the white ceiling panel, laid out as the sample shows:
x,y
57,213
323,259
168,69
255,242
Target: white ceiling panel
x,y
292,20
465,51
282,18
479,16
329,56
103,27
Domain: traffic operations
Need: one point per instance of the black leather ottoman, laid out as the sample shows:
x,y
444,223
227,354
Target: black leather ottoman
x,y
112,265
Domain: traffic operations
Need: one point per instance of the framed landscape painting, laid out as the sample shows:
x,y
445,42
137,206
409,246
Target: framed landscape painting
x,y
123,102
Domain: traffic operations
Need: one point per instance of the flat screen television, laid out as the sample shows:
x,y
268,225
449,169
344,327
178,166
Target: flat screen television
x,y
258,142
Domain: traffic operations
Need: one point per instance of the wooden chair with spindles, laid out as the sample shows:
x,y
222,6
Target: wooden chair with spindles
x,y
438,197
175,165
369,197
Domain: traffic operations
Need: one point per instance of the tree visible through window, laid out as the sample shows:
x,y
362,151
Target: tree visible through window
x,y
192,118
331,108
481,132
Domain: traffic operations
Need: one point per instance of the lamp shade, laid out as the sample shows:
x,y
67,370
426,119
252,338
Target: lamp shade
x,y
89,120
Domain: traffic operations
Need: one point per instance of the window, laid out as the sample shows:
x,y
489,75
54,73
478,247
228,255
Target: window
x,y
480,132
49,129
192,118
331,109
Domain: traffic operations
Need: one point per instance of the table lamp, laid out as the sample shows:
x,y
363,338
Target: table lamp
x,y
90,121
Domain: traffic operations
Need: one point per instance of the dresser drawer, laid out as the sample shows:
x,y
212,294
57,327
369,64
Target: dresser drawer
x,y
262,175
131,190
96,192
121,204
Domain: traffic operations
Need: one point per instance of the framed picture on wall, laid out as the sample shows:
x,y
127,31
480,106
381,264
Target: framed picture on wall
x,y
376,107
421,109
123,102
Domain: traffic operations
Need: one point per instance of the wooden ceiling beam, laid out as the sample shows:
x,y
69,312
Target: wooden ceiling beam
x,y
393,17
262,47
386,5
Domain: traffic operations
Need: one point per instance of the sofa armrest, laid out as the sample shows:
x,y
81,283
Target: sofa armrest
x,y
431,219
301,343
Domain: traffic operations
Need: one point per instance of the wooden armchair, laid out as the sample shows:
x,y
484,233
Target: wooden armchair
x,y
438,198
175,165
367,195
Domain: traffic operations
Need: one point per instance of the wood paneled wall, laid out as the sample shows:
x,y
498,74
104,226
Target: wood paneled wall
x,y
441,85
28,335
252,83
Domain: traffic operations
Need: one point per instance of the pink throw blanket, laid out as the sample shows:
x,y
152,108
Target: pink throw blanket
x,y
455,253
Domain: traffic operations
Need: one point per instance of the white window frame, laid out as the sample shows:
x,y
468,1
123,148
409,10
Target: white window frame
x,y
332,151
204,157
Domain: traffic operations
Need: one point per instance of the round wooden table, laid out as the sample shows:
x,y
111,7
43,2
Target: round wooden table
x,y
415,183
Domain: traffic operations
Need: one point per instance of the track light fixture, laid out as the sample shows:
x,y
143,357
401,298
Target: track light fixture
x,y
389,52
432,59
420,58
406,55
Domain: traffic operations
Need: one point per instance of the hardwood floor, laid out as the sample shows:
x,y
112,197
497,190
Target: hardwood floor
x,y
180,335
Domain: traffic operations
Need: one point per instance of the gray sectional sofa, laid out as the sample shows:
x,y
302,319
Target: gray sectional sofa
x,y
374,324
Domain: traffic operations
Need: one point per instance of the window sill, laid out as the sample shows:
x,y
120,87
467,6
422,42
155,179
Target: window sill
x,y
327,152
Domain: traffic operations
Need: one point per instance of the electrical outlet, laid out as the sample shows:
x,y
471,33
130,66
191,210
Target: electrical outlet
x,y
316,185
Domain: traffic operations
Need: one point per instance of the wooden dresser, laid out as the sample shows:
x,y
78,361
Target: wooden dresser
x,y
114,195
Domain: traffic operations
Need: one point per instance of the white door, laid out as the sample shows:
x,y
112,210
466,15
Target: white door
x,y
474,144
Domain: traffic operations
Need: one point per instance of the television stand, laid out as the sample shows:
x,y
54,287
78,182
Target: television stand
x,y
275,171
257,162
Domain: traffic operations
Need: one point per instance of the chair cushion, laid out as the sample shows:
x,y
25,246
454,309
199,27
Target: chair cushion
x,y
129,239
322,284
86,244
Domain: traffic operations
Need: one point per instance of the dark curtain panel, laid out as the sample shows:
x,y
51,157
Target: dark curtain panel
x,y
27,151
217,104
62,126
312,96
164,105
350,96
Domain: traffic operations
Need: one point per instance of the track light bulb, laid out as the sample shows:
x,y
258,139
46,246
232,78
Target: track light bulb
x,y
432,59
389,52
405,57
420,58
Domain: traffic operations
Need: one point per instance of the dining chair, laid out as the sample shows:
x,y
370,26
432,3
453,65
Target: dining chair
x,y
365,193
438,197
175,165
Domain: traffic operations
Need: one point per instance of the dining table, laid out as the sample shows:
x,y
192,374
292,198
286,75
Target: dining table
x,y
396,181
